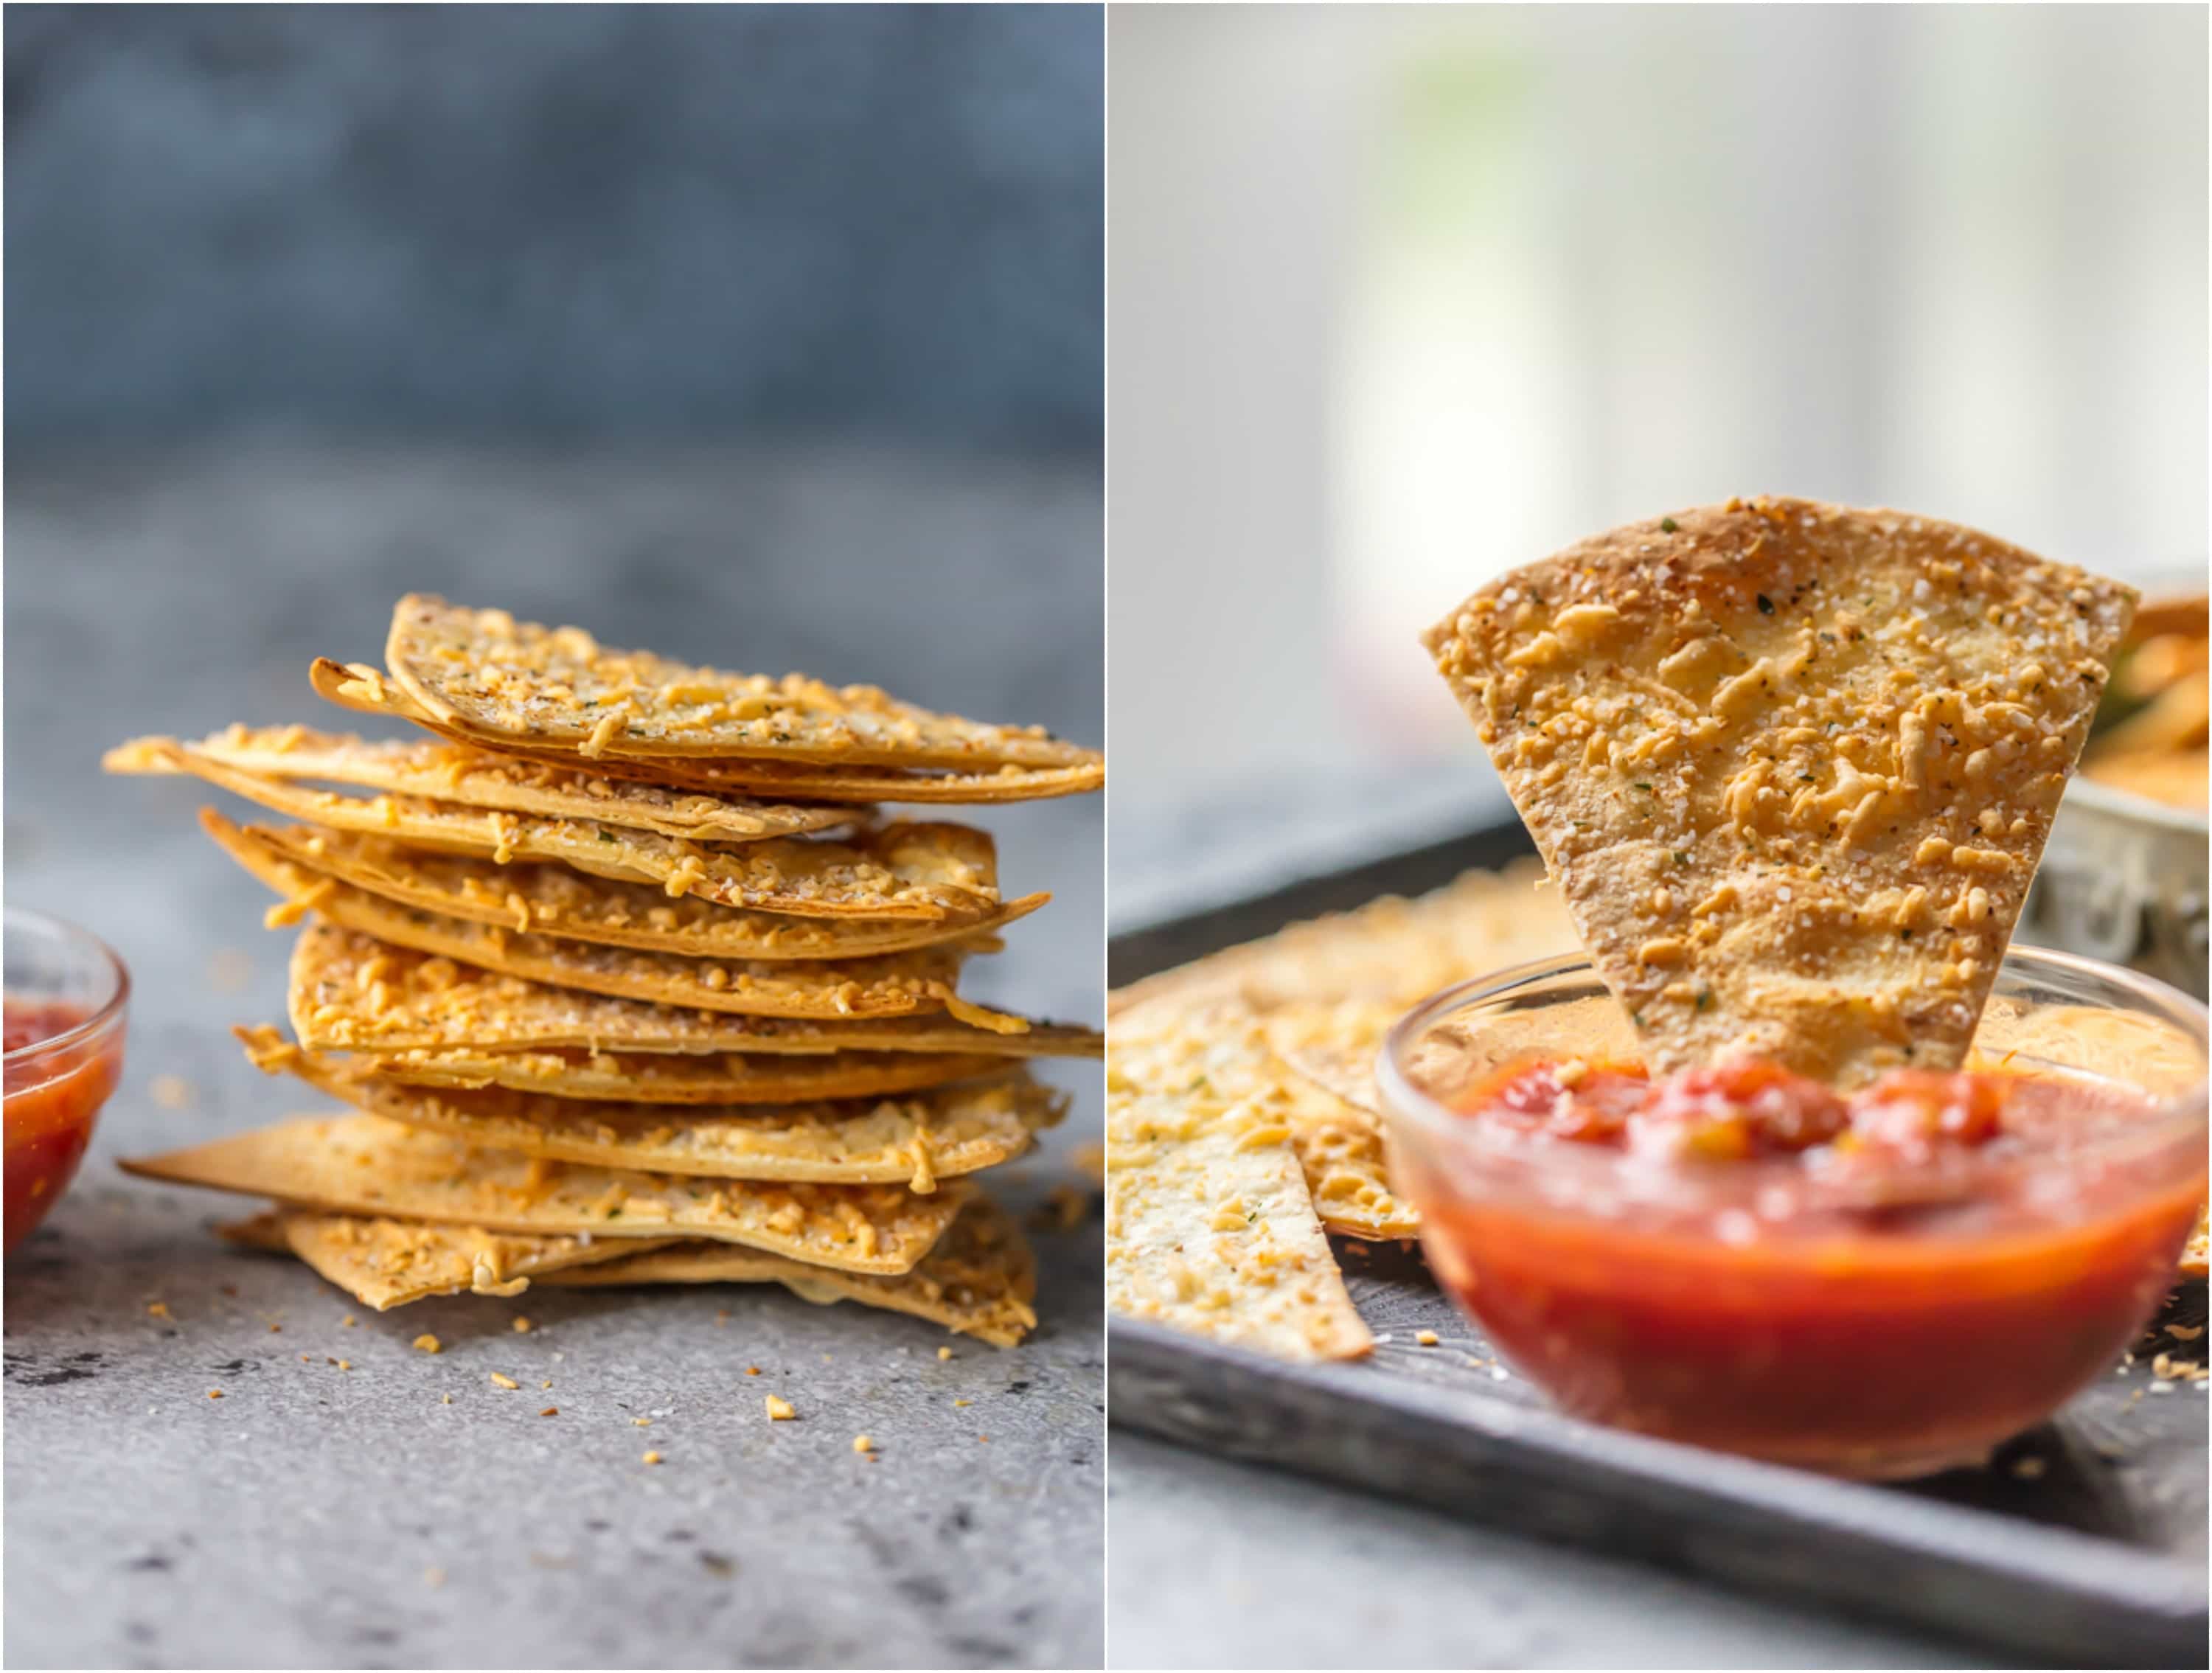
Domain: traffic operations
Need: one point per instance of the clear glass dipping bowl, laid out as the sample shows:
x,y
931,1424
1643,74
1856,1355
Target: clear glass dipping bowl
x,y
55,1086
1876,1327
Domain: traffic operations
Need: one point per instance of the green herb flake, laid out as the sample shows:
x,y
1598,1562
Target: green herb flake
x,y
1668,524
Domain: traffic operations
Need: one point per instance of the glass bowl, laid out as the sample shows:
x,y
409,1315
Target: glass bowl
x,y
1887,1324
67,995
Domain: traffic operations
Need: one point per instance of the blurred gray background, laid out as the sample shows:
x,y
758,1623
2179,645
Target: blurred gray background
x,y
769,337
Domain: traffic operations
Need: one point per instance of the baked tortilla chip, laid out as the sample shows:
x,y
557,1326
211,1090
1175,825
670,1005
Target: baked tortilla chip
x,y
387,1263
365,691
1329,989
482,673
351,992
445,773
2193,1258
658,1078
1390,952
554,900
917,1139
980,1280
895,984
1792,765
365,1165
1210,1226
937,871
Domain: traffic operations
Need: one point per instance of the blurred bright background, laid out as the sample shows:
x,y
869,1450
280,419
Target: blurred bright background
x,y
1403,297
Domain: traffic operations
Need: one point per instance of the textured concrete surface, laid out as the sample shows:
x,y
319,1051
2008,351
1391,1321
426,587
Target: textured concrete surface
x,y
320,1516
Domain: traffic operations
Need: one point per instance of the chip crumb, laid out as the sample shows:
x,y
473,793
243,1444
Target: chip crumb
x,y
158,1309
445,1399
944,1352
521,1324
430,1344
307,1359
349,1322
505,1382
547,1384
1427,1338
345,1364
171,1091
864,1443
550,1411
652,1457
641,1422
780,1409
276,1329
963,1402
214,1394
2029,1468
752,1371
2185,1332
986,1439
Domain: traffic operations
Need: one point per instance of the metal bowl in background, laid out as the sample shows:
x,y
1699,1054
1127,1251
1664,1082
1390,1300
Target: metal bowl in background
x,y
2124,880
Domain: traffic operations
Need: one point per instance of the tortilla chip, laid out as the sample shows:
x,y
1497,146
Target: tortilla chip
x,y
1390,952
893,985
1210,1226
940,872
365,1165
387,1263
1330,989
442,772
554,900
365,691
980,1280
917,1139
2193,1258
482,672
1792,765
351,991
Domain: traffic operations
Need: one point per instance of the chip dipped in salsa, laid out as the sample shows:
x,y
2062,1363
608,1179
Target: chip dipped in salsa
x,y
1877,1281
51,1098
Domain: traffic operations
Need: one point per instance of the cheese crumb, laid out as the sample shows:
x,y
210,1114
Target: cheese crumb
x,y
780,1409
652,1457
863,1444
214,1394
505,1382
1428,1338
944,1352
520,1323
429,1344
158,1309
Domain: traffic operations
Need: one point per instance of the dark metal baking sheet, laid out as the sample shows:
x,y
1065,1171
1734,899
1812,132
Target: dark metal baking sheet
x,y
2084,1543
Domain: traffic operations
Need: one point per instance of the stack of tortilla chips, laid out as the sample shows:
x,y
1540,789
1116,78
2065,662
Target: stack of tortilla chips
x,y
628,982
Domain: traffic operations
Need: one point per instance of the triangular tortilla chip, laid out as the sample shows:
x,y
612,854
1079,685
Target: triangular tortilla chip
x,y
365,1165
554,900
387,1263
365,691
892,985
482,672
473,778
1210,1226
1330,989
1792,765
980,1280
919,1138
351,991
940,872
1390,952
2194,1258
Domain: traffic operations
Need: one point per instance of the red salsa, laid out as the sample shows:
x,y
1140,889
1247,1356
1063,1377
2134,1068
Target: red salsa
x,y
52,1098
1877,1282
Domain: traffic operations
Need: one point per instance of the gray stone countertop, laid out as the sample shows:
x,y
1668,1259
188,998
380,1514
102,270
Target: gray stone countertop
x,y
319,1515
